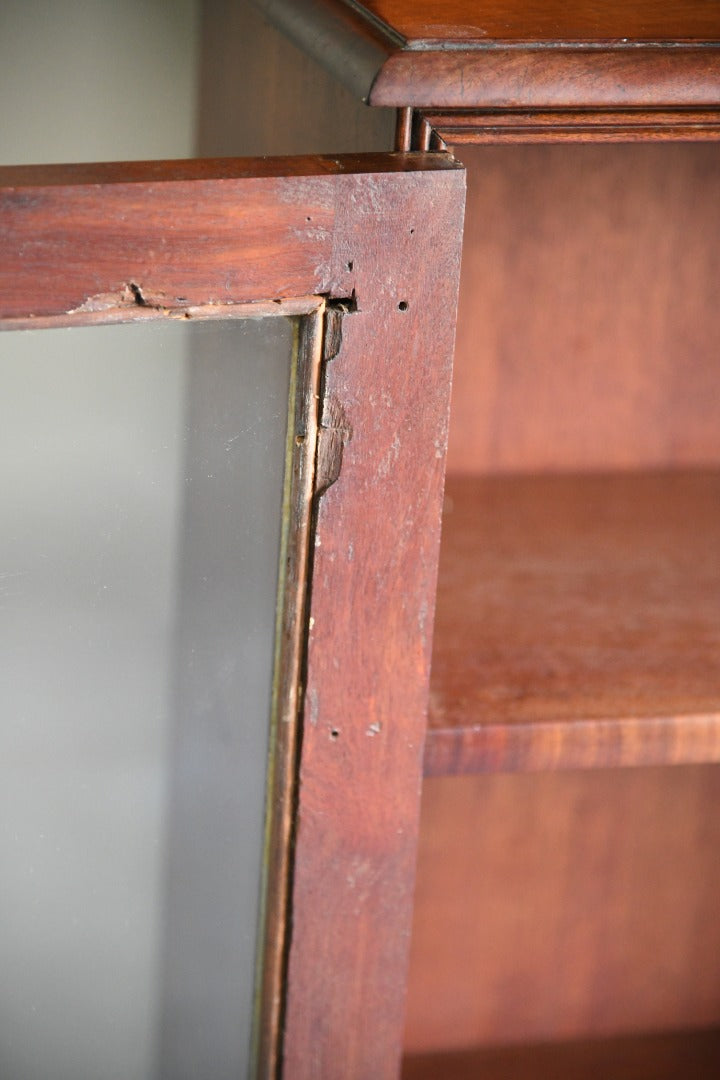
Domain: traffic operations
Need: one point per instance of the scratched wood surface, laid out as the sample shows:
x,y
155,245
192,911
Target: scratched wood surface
x,y
633,70
383,232
78,239
373,587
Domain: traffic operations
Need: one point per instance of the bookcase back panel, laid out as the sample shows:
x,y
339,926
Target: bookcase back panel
x,y
567,905
589,332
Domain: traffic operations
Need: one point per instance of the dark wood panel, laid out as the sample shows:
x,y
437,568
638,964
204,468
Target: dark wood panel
x,y
577,623
495,126
485,21
175,234
533,57
384,415
673,1056
563,906
261,94
589,333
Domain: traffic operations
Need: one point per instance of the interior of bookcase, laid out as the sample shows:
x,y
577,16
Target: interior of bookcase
x,y
566,919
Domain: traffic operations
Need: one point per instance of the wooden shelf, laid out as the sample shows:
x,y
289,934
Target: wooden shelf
x,y
673,1056
578,623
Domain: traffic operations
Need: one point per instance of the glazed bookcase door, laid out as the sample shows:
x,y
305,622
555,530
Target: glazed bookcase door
x,y
295,322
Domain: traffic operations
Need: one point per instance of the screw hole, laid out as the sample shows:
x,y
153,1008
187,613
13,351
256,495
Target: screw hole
x,y
403,305
308,218
334,733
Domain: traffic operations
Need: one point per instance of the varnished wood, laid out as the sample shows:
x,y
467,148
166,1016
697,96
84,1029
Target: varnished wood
x,y
603,59
373,584
553,907
672,1056
171,233
261,94
588,333
498,126
383,233
578,623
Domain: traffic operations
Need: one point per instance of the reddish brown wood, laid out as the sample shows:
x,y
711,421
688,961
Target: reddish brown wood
x,y
383,232
644,1057
588,334
578,623
261,94
423,22
80,238
576,125
603,59
564,906
369,644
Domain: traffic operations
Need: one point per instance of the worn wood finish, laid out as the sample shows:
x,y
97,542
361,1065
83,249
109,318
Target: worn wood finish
x,y
656,60
578,622
672,1056
292,618
383,232
172,234
373,585
588,333
569,905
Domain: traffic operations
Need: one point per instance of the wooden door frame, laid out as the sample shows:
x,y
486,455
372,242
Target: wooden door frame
x,y
377,239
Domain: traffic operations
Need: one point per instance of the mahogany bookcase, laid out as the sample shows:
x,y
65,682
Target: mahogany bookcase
x,y
565,913
564,921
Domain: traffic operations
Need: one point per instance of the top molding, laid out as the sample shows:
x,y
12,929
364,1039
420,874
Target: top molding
x,y
516,57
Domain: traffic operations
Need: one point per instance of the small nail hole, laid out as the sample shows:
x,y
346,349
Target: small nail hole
x,y
308,218
412,231
350,265
403,305
334,733
299,440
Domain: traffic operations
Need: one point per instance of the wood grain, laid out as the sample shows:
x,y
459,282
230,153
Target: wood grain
x,y
79,238
373,587
671,1056
498,126
534,57
565,906
588,333
577,622
260,93
484,21
383,233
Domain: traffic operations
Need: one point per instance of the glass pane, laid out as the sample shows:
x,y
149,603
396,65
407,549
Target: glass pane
x,y
141,471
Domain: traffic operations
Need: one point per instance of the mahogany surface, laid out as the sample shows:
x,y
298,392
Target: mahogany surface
x,y
588,330
604,58
442,22
570,905
671,1056
383,234
577,622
